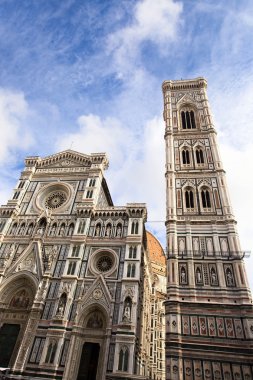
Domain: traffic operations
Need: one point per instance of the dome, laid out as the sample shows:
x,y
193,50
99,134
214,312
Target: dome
x,y
156,252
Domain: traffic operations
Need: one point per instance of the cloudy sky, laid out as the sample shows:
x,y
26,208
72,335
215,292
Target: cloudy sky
x,y
87,74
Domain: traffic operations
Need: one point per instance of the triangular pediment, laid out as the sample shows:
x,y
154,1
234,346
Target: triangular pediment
x,y
186,99
30,260
65,159
98,293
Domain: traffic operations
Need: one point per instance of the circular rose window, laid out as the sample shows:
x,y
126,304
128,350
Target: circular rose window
x,y
104,263
55,200
54,196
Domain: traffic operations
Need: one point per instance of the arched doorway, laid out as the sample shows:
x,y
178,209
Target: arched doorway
x,y
17,294
89,346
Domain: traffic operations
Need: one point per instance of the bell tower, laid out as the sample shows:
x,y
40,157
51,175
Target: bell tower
x,y
209,314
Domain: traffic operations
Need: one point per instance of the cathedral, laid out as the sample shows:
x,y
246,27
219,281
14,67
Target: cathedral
x,y
87,293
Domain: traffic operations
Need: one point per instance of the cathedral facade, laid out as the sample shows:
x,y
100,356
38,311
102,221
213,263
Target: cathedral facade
x,y
82,284
209,317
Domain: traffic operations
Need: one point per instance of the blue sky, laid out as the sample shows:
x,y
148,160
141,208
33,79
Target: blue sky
x,y
88,74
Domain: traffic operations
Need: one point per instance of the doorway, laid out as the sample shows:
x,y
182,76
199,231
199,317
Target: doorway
x,y
89,361
8,337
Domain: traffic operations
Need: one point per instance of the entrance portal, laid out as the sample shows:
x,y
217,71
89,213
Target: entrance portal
x,y
89,362
8,338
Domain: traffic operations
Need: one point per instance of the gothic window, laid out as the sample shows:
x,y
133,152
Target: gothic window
x,y
123,359
71,268
62,230
132,252
189,199
188,120
92,182
185,156
14,229
89,194
30,229
205,197
64,353
199,156
75,251
131,270
51,351
81,227
37,350
22,229
135,227
71,229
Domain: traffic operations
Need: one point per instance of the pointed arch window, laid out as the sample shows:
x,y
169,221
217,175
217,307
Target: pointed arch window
x,y
51,351
71,229
205,197
53,229
131,269
185,156
189,199
132,252
123,359
199,156
188,120
135,228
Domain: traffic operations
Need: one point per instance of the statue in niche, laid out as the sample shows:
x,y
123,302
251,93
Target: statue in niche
x,y
119,230
20,300
95,321
198,275
51,256
229,276
108,230
183,275
213,277
98,230
127,310
62,305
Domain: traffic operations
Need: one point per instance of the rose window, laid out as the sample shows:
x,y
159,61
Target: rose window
x,y
104,263
55,200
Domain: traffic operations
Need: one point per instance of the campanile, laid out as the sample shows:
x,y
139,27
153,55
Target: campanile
x,y
209,314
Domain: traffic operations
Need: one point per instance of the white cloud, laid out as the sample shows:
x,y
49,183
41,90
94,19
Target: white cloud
x,y
14,135
153,21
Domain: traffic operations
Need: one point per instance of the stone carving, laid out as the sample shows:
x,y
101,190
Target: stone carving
x,y
95,321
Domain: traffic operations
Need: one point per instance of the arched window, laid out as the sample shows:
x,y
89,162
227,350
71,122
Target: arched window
x,y
71,268
135,227
205,196
189,199
185,156
62,230
131,270
22,229
199,156
123,359
188,120
51,351
14,228
132,252
71,229
81,227
30,229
